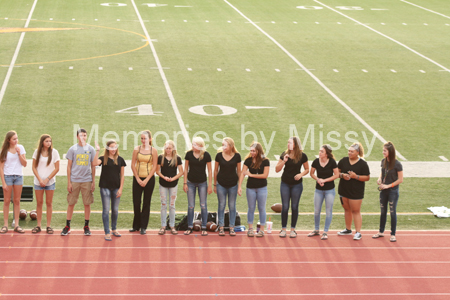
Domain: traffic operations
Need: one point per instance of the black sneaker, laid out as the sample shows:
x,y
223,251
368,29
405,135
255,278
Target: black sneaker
x,y
345,232
86,230
65,231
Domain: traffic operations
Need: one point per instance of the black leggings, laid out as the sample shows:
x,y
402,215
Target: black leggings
x,y
141,217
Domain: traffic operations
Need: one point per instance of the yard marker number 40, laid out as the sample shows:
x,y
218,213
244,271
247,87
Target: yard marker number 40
x,y
140,110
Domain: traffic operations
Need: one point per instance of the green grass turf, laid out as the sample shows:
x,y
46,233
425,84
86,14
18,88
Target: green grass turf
x,y
414,198
408,107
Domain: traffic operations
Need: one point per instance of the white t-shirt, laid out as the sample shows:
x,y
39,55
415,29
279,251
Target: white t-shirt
x,y
12,164
43,170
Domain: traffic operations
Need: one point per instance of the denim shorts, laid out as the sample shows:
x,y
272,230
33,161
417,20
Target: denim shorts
x,y
45,188
13,180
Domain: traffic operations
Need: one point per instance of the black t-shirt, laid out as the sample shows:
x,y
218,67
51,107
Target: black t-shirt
x,y
110,176
392,175
197,171
291,169
227,176
168,171
255,183
353,188
324,173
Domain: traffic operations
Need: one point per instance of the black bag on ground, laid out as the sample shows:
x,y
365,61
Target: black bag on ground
x,y
181,222
212,217
227,220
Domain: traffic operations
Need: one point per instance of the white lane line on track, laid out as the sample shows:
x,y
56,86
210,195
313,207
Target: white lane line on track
x,y
388,37
225,277
224,262
164,79
229,248
16,54
434,12
256,296
349,109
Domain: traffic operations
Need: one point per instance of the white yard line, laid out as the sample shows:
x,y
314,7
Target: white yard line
x,y
166,83
316,79
388,37
434,12
16,54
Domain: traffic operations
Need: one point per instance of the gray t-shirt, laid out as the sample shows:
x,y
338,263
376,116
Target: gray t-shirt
x,y
81,158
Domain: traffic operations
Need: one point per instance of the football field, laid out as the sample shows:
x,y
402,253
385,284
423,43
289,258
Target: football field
x,y
326,71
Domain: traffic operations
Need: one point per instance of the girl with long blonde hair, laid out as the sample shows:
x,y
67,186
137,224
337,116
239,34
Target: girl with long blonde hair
x,y
169,162
196,161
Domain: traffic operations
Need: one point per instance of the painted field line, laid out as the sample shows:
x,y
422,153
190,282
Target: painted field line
x,y
434,12
228,248
382,34
316,79
16,53
225,277
443,158
166,83
357,295
76,262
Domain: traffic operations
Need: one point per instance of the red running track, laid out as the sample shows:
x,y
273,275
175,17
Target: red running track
x,y
168,267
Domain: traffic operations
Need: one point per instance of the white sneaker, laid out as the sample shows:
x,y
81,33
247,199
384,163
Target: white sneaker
x,y
357,236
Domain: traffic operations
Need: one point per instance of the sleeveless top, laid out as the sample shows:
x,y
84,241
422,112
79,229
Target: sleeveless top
x,y
144,163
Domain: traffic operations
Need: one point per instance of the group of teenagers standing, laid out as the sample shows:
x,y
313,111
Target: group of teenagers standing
x,y
352,171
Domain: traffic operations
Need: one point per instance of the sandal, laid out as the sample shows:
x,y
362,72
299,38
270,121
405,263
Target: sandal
x,y
260,233
162,231
36,229
49,230
232,232
108,238
116,234
378,235
221,231
205,233
314,233
173,231
393,238
250,232
293,234
19,229
4,229
324,236
283,233
188,231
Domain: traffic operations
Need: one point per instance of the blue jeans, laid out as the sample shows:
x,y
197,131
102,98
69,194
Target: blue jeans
x,y
222,193
319,197
290,192
45,188
13,180
170,193
202,194
109,194
256,195
389,196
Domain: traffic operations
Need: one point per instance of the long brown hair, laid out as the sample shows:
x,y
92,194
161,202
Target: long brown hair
x,y
259,155
5,146
106,153
391,156
39,149
328,151
297,151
